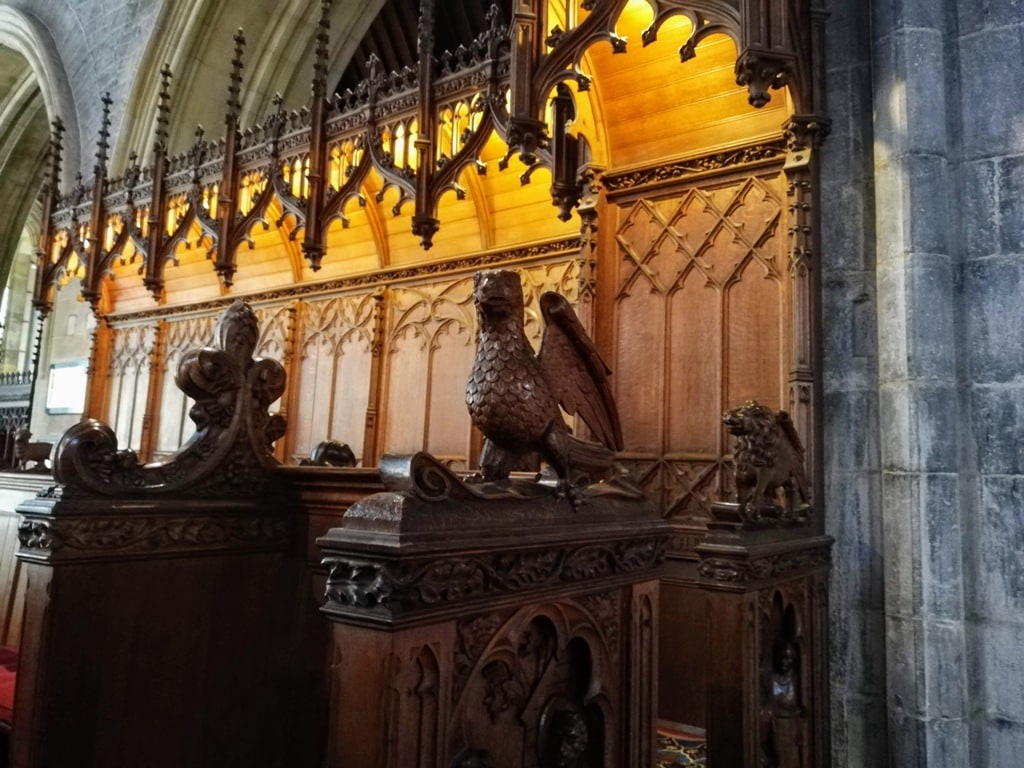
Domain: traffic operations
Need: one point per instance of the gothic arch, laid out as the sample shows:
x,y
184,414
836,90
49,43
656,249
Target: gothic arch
x,y
33,91
25,35
195,38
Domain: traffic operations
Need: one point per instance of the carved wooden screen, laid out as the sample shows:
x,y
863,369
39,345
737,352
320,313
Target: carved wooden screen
x,y
277,326
698,292
331,381
428,353
128,385
173,425
388,364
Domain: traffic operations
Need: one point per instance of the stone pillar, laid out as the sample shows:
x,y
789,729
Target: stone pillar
x,y
990,183
850,378
919,405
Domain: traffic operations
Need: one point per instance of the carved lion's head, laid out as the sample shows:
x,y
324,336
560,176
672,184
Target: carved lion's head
x,y
754,426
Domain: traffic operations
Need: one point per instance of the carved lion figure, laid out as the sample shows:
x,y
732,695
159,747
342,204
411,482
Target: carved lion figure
x,y
768,455
25,452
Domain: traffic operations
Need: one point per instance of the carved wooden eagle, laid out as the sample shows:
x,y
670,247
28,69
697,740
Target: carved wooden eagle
x,y
514,395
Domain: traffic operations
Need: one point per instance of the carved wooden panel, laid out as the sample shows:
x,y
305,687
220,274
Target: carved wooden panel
x,y
698,299
428,353
332,375
128,382
542,687
173,424
417,339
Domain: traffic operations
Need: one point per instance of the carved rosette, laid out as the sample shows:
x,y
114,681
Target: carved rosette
x,y
230,453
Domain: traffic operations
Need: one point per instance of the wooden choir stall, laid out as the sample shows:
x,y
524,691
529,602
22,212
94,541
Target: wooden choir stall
x,y
426,594
178,612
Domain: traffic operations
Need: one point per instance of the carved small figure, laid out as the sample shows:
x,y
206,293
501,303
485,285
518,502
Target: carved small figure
x,y
784,685
26,452
514,395
569,737
768,455
782,722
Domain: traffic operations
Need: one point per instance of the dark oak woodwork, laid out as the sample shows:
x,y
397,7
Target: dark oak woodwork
x,y
491,625
698,277
749,593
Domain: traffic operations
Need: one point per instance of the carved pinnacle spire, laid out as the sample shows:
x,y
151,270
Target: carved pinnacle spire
x,y
320,57
163,109
495,28
197,152
103,144
276,123
56,153
234,105
425,32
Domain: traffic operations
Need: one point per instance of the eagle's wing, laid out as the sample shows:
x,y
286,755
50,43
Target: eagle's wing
x,y
788,428
575,372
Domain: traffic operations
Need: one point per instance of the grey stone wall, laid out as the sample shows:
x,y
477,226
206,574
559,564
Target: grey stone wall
x,y
100,43
989,178
923,234
852,472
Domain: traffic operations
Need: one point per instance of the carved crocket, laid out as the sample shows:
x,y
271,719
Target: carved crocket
x,y
514,395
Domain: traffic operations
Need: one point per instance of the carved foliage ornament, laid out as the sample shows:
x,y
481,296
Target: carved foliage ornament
x,y
737,570
401,587
230,452
145,534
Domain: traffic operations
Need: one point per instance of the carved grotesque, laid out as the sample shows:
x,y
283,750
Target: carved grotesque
x,y
27,452
768,455
514,395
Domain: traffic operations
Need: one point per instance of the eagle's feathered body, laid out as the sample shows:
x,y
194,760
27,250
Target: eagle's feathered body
x,y
513,395
508,398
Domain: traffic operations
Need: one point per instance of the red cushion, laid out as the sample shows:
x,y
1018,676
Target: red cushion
x,y
8,676
7,680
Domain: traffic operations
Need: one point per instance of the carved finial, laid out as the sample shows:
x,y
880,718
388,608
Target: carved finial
x,y
373,67
231,453
56,153
320,58
425,31
276,122
234,105
197,152
163,109
103,144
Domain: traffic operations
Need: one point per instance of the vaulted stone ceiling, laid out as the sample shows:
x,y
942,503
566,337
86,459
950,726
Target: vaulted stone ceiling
x,y
23,132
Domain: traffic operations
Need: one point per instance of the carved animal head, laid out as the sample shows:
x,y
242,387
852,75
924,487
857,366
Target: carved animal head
x,y
754,426
498,293
22,436
749,418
